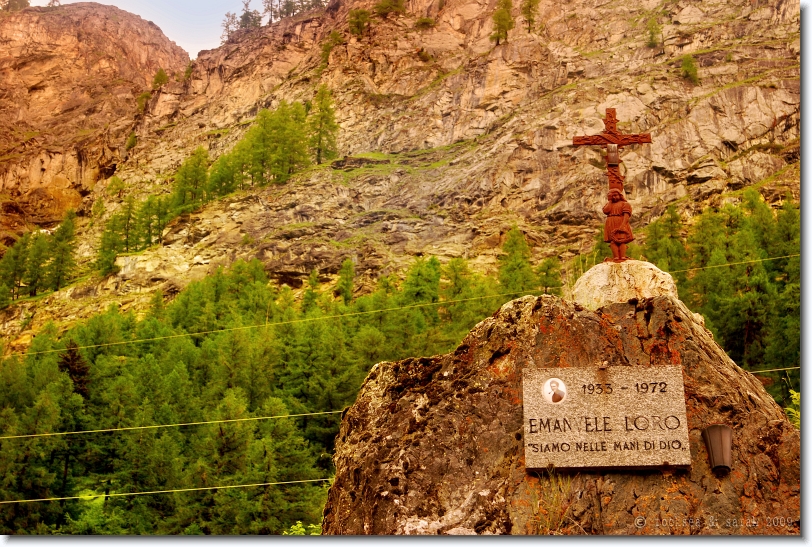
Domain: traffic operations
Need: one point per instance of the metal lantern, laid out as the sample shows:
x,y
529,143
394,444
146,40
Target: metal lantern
x,y
719,442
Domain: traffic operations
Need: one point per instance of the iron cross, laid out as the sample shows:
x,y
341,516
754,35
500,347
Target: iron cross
x,y
612,140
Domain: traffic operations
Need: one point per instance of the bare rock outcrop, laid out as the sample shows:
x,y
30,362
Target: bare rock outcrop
x,y
435,445
69,78
612,282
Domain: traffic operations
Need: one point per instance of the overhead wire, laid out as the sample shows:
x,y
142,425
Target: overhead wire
x,y
735,263
773,370
170,491
266,324
158,426
351,314
276,324
294,321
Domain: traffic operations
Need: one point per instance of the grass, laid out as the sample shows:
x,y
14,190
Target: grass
x,y
218,132
553,505
590,54
167,126
353,242
436,82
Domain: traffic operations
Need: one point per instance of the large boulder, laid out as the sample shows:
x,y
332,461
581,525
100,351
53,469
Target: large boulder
x,y
435,445
610,282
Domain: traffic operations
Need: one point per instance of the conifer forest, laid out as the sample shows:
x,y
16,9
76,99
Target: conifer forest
x,y
214,410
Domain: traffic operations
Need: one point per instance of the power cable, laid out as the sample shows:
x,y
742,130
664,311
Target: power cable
x,y
123,494
735,263
141,427
773,370
280,323
352,314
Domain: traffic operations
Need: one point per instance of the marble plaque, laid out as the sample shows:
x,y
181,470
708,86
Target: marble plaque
x,y
617,416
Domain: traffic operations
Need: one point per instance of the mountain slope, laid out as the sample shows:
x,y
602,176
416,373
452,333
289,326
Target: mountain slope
x,y
69,77
477,136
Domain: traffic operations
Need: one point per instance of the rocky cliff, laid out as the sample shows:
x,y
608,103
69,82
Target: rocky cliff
x,y
435,445
69,77
479,137
473,137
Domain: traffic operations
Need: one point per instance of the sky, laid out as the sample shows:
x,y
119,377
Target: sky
x,y
192,24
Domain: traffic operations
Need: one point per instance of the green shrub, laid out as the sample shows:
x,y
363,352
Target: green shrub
x,y
188,72
794,409
98,208
384,7
423,55
359,21
654,32
13,5
142,100
332,41
132,140
160,79
689,69
114,186
424,23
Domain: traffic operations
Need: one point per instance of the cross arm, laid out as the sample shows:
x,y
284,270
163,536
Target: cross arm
x,y
625,140
608,138
590,139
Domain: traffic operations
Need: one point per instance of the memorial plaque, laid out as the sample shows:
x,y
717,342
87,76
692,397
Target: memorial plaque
x,y
617,416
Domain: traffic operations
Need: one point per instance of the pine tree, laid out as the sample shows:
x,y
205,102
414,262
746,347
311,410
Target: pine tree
x,y
77,368
156,304
664,247
311,294
346,277
111,244
5,295
422,282
34,278
384,7
163,214
221,177
549,276
129,232
229,25
191,180
146,222
14,265
502,21
529,11
290,141
249,18
515,272
63,245
322,126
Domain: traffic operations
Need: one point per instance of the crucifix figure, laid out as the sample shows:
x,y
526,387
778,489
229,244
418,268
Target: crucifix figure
x,y
617,231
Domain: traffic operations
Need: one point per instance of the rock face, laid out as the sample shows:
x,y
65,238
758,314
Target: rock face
x,y
478,137
611,282
495,124
434,445
69,77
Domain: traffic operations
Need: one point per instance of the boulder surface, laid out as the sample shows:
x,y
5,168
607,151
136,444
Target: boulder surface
x,y
611,282
435,445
